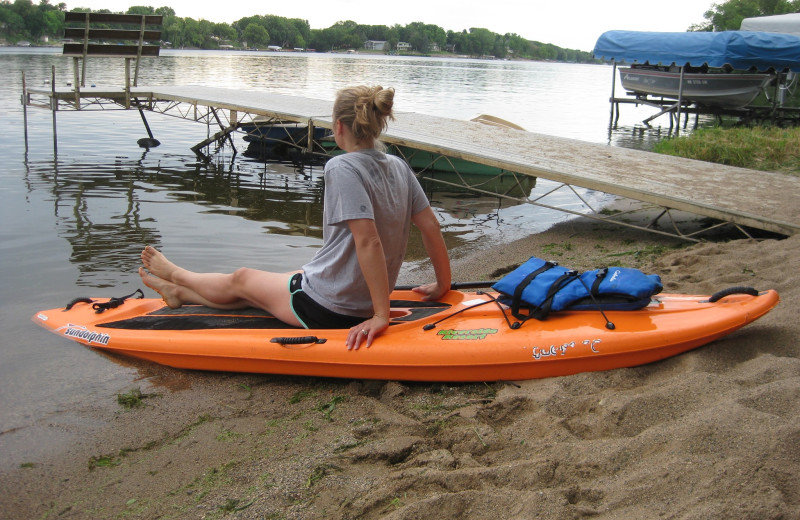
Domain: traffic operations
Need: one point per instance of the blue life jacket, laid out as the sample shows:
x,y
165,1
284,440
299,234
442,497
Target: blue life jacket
x,y
541,287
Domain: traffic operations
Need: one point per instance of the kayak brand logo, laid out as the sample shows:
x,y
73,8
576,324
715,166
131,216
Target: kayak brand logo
x,y
471,334
82,333
539,353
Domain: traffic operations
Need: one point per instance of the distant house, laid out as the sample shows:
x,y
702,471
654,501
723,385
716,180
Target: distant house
x,y
403,46
375,45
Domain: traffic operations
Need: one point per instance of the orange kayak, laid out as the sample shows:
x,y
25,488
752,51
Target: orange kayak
x,y
463,337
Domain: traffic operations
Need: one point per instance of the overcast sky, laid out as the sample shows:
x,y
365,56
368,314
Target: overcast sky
x,y
574,24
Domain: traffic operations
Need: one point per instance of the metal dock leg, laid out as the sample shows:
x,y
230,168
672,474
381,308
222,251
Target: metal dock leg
x,y
150,141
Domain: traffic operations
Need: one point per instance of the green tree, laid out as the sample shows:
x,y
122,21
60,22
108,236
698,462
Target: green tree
x,y
517,45
140,9
173,31
281,31
165,11
303,32
341,35
11,22
376,32
24,20
224,31
416,34
54,22
728,16
191,33
255,35
458,42
208,40
481,41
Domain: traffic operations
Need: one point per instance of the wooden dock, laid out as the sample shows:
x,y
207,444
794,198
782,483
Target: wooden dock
x,y
741,197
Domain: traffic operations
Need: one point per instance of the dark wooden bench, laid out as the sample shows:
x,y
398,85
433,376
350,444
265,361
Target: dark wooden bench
x,y
129,36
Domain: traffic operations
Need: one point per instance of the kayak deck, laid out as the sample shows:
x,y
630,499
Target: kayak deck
x,y
196,317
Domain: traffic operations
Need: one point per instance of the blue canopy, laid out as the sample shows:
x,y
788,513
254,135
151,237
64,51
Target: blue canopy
x,y
739,49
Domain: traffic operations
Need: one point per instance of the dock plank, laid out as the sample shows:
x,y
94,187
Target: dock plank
x,y
293,108
765,200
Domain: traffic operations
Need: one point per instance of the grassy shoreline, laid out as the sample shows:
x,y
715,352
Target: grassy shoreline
x,y
758,148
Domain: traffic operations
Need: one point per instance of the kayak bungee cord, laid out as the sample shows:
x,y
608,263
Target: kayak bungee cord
x,y
112,303
433,325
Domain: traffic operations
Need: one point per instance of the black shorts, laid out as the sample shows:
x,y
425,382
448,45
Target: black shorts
x,y
313,315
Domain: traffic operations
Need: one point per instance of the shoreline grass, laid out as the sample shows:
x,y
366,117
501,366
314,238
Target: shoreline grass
x,y
758,148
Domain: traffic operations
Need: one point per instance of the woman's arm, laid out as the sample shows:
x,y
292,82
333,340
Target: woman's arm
x,y
373,265
433,241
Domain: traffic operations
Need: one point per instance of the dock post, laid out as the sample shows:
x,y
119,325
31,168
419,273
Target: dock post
x,y
613,93
54,108
76,83
310,141
680,102
127,82
25,109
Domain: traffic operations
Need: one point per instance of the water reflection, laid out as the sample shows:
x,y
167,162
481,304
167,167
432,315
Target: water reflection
x,y
100,217
107,215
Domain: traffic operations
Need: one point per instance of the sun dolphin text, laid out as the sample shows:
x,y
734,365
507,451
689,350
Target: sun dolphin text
x,y
82,333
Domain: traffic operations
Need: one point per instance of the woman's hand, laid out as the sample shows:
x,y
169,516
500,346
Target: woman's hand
x,y
431,291
367,331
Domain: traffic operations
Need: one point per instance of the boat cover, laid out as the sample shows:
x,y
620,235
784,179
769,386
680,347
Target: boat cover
x,y
779,23
739,49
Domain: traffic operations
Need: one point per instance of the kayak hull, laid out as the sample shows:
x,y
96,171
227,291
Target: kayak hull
x,y
477,344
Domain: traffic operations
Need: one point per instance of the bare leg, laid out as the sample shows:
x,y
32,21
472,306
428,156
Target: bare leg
x,y
245,287
217,288
176,296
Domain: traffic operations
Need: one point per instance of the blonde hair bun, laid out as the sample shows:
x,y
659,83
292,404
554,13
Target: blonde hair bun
x,y
365,110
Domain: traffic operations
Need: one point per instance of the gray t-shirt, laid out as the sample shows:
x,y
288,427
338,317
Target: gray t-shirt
x,y
363,184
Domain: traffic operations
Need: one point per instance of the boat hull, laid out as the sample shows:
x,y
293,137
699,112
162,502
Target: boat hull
x,y
709,89
475,345
281,142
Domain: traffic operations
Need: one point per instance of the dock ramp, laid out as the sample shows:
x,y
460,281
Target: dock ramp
x,y
725,195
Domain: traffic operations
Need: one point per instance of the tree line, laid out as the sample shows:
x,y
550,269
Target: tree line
x,y
23,20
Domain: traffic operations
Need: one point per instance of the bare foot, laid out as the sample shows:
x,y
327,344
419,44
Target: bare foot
x,y
158,264
167,290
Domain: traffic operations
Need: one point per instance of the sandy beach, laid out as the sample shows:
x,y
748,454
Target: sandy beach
x,y
713,433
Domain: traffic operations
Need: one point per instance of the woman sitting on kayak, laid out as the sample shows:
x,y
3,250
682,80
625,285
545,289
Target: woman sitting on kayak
x,y
371,199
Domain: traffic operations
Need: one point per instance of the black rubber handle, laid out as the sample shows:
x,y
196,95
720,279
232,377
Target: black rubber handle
x,y
301,340
732,290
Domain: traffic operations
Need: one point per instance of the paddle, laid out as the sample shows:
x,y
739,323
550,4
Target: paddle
x,y
454,286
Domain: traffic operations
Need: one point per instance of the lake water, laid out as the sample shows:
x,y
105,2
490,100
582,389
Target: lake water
x,y
74,222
